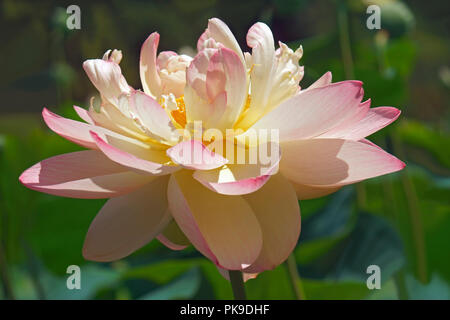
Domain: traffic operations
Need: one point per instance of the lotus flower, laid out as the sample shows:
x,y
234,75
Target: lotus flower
x,y
242,216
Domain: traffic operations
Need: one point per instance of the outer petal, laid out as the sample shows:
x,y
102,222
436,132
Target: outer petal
x,y
107,78
335,162
348,121
223,228
141,164
127,223
72,130
84,174
374,120
323,81
313,112
151,82
84,114
278,213
172,237
80,133
193,154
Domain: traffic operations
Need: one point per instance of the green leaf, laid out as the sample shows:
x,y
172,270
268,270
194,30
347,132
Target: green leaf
x,y
372,242
332,290
321,231
93,279
184,287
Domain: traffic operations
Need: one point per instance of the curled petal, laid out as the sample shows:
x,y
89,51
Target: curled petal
x,y
107,77
274,74
220,32
216,89
151,82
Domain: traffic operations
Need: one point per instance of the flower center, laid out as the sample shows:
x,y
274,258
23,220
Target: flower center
x,y
179,114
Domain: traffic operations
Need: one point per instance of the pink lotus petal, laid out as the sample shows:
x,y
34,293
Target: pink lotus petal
x,y
74,131
224,229
216,89
313,112
163,58
238,179
323,81
350,120
84,174
201,41
151,82
376,119
335,162
220,32
107,78
84,114
227,74
131,161
79,133
127,223
153,117
193,154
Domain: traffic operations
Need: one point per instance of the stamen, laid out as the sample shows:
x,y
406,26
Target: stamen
x,y
179,115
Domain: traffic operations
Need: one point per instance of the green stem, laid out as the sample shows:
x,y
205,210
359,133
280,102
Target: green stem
x,y
237,284
344,38
294,278
400,283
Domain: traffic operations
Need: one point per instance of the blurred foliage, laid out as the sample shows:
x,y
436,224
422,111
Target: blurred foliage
x,y
402,65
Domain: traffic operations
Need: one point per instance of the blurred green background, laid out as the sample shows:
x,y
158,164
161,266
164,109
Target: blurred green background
x,y
400,222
